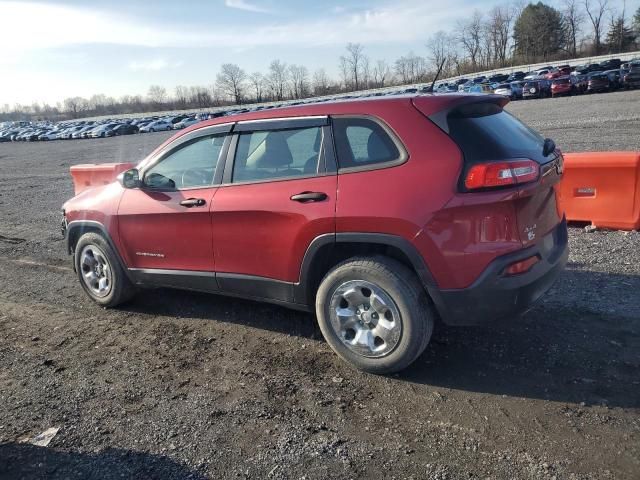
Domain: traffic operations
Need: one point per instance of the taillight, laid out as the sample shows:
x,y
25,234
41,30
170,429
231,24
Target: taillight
x,y
501,174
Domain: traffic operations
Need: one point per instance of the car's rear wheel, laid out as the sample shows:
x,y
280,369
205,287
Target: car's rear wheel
x,y
374,313
100,272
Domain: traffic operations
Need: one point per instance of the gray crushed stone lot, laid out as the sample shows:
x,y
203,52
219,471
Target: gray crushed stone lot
x,y
182,385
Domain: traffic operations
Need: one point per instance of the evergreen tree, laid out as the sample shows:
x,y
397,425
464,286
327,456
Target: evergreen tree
x,y
539,32
620,37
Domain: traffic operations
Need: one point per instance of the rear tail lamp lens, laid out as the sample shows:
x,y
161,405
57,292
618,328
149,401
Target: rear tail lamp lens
x,y
500,174
522,266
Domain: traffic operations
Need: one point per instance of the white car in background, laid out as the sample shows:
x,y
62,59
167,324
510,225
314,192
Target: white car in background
x,y
536,75
51,135
157,126
187,122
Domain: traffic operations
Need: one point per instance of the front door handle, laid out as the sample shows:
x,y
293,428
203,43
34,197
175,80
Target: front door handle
x,y
307,197
193,202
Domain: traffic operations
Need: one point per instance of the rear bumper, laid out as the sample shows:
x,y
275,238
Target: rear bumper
x,y
494,296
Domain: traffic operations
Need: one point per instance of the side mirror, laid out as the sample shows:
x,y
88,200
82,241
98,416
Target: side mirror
x,y
130,178
549,147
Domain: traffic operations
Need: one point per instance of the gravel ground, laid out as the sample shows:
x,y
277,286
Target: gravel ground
x,y
183,385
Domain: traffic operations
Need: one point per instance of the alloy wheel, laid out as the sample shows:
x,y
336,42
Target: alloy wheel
x,y
365,318
96,271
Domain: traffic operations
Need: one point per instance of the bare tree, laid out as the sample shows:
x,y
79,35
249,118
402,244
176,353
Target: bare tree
x,y
157,94
381,73
353,62
366,72
596,13
277,79
345,73
182,94
320,82
499,29
231,81
299,77
441,51
573,18
469,37
257,82
411,68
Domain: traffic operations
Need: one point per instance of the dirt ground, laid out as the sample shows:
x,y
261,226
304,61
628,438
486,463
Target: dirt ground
x,y
183,385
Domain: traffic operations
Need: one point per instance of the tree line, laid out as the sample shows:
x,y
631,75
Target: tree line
x,y
507,35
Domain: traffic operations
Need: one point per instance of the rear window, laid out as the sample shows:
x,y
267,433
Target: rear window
x,y
561,81
485,132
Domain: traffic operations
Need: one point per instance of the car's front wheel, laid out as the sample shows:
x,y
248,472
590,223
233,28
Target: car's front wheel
x,y
374,313
100,272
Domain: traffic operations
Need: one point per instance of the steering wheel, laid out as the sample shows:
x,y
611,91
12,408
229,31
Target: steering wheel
x,y
194,178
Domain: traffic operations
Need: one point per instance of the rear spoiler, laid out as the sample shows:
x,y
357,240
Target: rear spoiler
x,y
439,115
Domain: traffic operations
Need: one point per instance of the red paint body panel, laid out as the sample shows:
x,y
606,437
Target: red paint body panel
x,y
157,232
258,230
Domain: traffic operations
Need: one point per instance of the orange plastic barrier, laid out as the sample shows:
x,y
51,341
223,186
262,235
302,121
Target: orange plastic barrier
x,y
93,175
602,188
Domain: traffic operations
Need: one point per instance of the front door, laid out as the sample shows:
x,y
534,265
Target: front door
x,y
166,224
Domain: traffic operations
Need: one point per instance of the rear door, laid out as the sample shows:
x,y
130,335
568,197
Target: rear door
x,y
277,196
166,224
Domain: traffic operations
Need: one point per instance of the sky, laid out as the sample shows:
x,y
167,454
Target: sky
x,y
61,48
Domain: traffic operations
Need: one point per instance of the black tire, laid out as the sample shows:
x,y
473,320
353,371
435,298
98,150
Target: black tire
x,y
408,296
121,289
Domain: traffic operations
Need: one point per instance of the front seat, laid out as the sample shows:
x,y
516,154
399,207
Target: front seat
x,y
277,155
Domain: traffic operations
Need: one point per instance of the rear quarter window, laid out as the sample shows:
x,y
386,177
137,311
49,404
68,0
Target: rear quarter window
x,y
362,142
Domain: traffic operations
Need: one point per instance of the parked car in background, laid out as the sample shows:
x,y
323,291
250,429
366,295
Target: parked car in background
x,y
558,72
562,86
82,133
513,90
598,82
498,78
101,131
516,76
537,74
50,135
540,88
615,80
631,79
124,129
157,126
611,64
480,88
376,273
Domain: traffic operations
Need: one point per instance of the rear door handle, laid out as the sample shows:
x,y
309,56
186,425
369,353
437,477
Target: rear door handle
x,y
307,197
193,202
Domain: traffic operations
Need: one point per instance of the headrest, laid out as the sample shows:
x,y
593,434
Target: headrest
x,y
276,152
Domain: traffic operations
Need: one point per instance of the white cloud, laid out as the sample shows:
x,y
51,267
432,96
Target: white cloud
x,y
243,5
408,21
153,65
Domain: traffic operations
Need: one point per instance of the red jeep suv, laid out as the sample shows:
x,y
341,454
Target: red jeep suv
x,y
381,215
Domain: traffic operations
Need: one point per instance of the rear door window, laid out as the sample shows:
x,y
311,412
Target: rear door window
x,y
274,154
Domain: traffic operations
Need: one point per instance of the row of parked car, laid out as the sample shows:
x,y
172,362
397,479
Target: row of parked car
x,y
30,132
554,81
547,82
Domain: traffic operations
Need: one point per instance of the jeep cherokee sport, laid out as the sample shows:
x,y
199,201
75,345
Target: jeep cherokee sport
x,y
379,214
